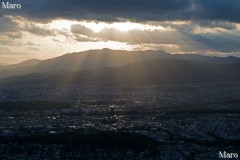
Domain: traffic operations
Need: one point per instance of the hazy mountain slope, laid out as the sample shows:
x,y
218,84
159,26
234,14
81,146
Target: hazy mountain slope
x,y
99,59
96,58
203,58
148,72
112,58
27,63
81,61
18,69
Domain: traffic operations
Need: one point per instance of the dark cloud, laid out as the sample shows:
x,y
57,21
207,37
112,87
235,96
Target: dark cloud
x,y
81,38
11,28
132,36
34,29
80,29
217,24
139,10
225,10
7,24
184,36
14,35
55,40
188,41
221,16
221,42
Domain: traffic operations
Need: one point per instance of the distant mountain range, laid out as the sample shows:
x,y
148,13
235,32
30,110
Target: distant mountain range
x,y
18,69
116,67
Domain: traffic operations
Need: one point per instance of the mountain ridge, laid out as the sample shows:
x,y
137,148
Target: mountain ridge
x,y
80,61
150,72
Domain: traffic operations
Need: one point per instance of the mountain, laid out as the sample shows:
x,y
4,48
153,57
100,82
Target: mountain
x,y
153,72
81,61
94,59
24,64
77,62
18,69
203,58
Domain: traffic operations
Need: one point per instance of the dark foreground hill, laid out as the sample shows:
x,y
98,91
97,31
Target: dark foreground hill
x,y
150,72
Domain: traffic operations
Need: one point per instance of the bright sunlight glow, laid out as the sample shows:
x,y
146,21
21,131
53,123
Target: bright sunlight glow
x,y
99,26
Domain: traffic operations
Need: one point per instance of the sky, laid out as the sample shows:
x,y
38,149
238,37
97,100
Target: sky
x,y
43,29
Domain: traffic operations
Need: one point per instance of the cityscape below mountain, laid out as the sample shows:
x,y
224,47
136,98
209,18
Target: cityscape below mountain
x,y
112,104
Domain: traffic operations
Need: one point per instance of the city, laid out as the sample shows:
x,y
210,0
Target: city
x,y
188,121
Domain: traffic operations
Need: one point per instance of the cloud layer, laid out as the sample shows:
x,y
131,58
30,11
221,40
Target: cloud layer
x,y
135,10
179,26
